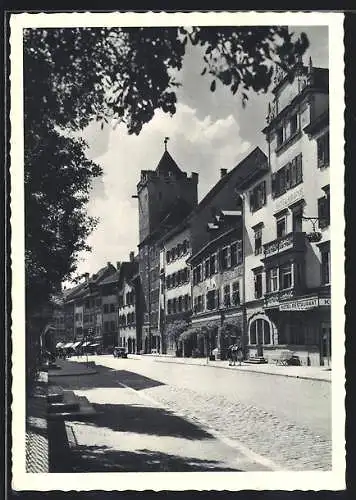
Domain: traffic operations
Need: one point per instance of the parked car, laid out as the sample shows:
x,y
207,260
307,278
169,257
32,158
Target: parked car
x,y
119,352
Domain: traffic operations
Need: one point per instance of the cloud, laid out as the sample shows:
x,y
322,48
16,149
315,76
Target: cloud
x,y
209,131
197,145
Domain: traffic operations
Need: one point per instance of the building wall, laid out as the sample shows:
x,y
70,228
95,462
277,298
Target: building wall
x,y
126,310
108,317
292,329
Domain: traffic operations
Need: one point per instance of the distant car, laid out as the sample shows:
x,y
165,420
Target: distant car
x,y
119,352
154,351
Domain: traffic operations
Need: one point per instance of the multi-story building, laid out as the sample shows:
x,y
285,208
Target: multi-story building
x,y
108,319
217,273
286,216
129,310
175,297
165,196
217,270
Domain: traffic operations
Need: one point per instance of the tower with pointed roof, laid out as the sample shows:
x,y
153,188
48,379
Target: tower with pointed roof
x,y
165,197
159,190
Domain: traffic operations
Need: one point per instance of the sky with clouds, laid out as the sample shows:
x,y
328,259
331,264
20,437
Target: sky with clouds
x,y
209,131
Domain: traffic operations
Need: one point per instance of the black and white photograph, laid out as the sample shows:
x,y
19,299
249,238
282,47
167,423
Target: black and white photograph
x,y
177,251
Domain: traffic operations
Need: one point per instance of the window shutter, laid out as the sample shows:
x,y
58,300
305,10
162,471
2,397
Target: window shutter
x,y
299,168
274,186
252,201
288,175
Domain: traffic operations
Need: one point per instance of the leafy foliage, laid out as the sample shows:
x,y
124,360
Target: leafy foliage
x,y
127,73
175,329
57,184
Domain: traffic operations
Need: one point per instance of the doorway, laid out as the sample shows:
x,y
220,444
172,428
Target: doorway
x,y
325,346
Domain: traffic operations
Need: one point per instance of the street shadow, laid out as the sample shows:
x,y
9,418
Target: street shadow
x,y
104,378
146,420
104,459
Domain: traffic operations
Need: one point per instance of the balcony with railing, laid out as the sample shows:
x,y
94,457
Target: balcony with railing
x,y
290,242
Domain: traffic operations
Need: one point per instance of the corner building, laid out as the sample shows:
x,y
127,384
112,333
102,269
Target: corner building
x,y
287,221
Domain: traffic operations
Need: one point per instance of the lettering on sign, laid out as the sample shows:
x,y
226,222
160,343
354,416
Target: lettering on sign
x,y
289,198
325,302
300,305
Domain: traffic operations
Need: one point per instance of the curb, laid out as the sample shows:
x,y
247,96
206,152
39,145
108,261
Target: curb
x,y
90,372
302,377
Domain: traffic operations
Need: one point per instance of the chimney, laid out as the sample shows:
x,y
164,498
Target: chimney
x,y
86,276
118,264
108,264
132,256
223,172
195,177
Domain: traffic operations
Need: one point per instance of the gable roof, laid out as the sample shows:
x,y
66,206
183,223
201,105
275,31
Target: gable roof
x,y
112,278
254,162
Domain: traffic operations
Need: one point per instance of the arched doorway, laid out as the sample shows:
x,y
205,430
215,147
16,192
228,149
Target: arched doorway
x,y
260,334
133,346
146,345
129,346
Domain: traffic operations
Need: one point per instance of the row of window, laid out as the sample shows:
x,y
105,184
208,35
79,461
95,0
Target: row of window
x,y
90,303
297,221
177,251
129,299
178,304
226,258
287,177
211,301
127,320
179,278
287,130
109,308
110,326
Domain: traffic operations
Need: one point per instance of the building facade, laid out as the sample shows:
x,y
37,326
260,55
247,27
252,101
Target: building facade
x,y
175,300
217,271
108,319
287,222
129,310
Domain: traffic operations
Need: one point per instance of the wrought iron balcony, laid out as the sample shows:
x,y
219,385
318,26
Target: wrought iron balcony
x,y
291,241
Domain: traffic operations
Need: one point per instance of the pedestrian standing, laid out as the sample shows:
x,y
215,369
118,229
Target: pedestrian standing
x,y
239,354
229,354
234,354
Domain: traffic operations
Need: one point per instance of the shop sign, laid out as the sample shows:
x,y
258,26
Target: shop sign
x,y
325,302
300,305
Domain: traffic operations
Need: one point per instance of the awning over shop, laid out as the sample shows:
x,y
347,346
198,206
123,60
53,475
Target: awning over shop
x,y
59,345
76,344
69,344
85,344
94,345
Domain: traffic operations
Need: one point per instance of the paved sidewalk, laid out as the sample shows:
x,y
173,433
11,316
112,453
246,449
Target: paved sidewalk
x,y
66,368
321,373
36,428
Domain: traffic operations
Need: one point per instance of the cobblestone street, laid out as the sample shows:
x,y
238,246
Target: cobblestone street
x,y
285,422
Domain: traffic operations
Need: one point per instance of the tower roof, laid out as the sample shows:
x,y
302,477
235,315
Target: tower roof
x,y
166,165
